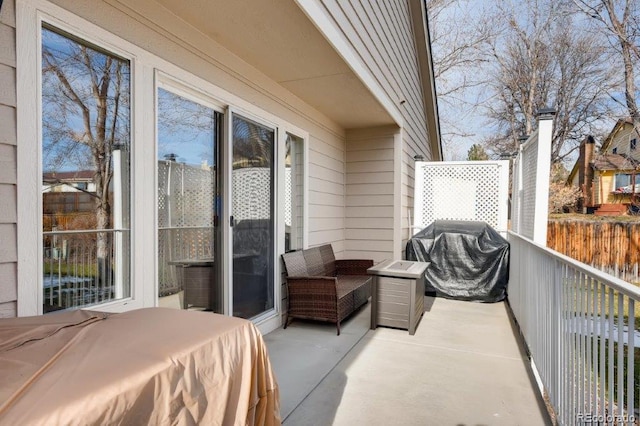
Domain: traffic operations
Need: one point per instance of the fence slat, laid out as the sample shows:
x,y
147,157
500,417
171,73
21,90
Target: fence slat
x,y
610,247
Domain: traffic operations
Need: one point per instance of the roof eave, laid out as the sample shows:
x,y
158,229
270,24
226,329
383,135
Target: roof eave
x,y
422,38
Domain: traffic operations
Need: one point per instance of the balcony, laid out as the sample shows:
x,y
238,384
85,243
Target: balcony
x,y
465,365
551,354
562,349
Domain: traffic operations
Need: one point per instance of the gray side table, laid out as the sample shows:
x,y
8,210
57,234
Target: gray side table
x,y
397,294
197,278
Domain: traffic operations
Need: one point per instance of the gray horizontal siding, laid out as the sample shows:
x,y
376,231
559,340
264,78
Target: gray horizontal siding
x,y
8,190
382,34
370,195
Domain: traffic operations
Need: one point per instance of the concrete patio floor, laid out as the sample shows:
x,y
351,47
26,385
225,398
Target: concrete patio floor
x,y
464,366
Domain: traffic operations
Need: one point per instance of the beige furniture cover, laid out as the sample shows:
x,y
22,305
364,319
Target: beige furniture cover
x,y
149,366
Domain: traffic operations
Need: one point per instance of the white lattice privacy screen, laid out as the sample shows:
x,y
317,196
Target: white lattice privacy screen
x,y
186,197
470,190
251,190
287,196
529,159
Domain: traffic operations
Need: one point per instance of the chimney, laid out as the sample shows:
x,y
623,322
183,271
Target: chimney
x,y
587,148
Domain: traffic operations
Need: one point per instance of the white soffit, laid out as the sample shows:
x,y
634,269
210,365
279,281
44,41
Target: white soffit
x,y
277,38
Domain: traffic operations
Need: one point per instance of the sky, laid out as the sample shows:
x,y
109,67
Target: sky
x,y
458,111
462,114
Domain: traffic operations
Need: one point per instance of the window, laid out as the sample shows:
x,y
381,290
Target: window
x,y
86,149
189,137
623,182
633,144
85,134
253,191
294,193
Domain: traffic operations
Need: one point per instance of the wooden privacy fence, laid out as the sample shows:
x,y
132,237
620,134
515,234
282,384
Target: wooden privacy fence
x,y
612,247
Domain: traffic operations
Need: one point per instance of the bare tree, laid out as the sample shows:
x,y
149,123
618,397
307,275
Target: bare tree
x,y
85,117
620,20
544,59
459,31
186,129
252,144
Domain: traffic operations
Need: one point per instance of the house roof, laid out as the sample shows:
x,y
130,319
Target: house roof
x,y
420,20
607,161
76,175
620,124
614,162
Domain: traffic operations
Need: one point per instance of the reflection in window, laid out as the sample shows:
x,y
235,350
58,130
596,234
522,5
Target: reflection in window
x,y
253,230
188,133
294,192
85,179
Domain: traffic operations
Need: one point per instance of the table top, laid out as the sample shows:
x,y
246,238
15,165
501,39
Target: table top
x,y
399,268
207,261
204,261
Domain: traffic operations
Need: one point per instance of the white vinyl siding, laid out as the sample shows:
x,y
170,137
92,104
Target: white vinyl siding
x,y
371,195
8,210
326,192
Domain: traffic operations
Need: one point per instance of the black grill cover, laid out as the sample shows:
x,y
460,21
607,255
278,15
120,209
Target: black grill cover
x,y
469,260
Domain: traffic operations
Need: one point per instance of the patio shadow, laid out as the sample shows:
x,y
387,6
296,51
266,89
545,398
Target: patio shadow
x,y
462,367
307,351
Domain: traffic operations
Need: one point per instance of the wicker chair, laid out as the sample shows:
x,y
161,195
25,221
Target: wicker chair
x,y
322,288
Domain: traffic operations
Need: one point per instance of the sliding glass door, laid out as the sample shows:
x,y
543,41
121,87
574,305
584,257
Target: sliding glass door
x,y
253,224
189,135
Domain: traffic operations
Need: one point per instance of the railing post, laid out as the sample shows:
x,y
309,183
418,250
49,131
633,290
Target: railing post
x,y
545,135
516,192
118,208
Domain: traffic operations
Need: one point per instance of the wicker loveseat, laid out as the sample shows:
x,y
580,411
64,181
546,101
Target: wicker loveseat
x,y
323,288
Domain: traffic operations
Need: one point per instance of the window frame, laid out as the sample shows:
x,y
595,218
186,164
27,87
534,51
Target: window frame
x,y
121,258
147,72
31,19
180,88
304,147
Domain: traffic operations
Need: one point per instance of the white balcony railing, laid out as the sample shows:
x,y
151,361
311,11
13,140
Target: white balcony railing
x,y
580,328
76,275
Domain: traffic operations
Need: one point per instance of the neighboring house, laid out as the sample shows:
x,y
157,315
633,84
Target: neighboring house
x,y
71,181
65,194
607,177
340,92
